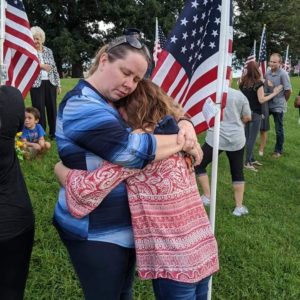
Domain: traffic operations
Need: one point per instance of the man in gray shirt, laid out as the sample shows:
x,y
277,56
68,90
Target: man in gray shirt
x,y
277,106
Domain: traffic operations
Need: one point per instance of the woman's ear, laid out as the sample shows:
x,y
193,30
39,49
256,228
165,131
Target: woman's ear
x,y
103,60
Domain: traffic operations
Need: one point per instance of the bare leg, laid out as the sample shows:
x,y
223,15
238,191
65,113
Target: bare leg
x,y
204,182
238,189
263,140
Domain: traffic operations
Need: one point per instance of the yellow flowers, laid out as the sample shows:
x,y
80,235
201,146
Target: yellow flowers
x,y
19,146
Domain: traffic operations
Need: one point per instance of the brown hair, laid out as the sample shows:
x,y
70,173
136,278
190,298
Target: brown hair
x,y
147,105
118,52
34,111
251,75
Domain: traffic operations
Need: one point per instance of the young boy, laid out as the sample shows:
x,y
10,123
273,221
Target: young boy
x,y
33,134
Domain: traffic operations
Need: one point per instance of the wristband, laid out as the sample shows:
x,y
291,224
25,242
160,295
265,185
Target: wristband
x,y
185,119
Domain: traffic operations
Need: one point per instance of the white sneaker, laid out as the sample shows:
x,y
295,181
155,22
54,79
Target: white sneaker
x,y
261,153
205,200
239,211
256,163
250,167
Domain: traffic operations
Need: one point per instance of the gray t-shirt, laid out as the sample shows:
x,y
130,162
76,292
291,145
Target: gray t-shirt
x,y
278,103
232,133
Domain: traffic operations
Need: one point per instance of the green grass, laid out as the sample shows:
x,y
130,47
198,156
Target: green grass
x,y
259,253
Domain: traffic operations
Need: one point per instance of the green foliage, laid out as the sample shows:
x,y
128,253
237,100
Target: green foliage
x,y
259,253
282,23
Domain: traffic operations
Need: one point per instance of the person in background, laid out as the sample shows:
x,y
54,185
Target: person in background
x,y
47,86
232,140
253,88
16,214
174,244
277,106
90,130
33,134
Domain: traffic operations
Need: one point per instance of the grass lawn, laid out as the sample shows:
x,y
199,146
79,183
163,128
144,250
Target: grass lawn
x,y
259,253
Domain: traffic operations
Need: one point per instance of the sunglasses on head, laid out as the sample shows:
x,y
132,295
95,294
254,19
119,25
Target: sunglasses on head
x,y
125,39
128,40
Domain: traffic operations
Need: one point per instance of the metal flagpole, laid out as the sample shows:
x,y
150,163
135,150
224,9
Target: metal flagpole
x,y
254,47
222,68
286,58
3,74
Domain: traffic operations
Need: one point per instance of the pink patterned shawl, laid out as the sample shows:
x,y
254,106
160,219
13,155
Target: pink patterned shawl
x,y
172,233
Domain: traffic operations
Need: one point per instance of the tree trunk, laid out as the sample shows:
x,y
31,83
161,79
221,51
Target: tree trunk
x,y
77,70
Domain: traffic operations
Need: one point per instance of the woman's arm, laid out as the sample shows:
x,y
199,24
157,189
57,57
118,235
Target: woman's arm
x,y
261,96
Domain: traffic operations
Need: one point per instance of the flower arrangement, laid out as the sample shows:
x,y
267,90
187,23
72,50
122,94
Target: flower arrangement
x,y
19,146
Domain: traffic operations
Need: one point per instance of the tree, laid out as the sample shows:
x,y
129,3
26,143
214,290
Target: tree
x,y
281,19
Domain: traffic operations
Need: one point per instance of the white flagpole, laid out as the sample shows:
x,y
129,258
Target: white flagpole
x,y
2,37
254,47
155,54
286,58
222,68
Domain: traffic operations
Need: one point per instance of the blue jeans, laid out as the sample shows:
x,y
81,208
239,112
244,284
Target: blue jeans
x,y
167,289
105,270
251,132
278,120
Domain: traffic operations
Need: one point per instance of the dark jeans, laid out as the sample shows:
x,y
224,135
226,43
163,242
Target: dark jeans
x,y
167,289
278,120
14,265
251,132
235,161
105,270
44,98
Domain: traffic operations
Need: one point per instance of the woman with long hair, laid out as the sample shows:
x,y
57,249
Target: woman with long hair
x,y
252,87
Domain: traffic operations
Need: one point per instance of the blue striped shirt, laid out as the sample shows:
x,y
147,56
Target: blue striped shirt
x,y
88,131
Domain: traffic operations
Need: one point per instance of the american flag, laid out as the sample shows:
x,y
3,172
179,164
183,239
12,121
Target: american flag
x,y
160,41
188,65
20,55
262,56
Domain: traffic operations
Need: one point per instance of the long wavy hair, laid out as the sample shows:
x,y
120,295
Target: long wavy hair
x,y
251,75
147,105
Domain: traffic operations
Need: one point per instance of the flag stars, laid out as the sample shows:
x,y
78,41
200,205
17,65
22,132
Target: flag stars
x,y
198,42
192,46
195,19
184,21
195,4
205,2
199,56
214,33
217,21
219,7
190,58
212,45
183,49
184,36
202,45
201,29
193,32
174,39
203,16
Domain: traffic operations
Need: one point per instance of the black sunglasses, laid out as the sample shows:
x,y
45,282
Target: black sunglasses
x,y
129,40
125,39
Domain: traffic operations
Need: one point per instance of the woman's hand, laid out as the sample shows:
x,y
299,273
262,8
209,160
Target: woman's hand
x,y
61,172
45,67
278,89
187,135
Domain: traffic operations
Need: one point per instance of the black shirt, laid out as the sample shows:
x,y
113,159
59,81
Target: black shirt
x,y
16,215
251,94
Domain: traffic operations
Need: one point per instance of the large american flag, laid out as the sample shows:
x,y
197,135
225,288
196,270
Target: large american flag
x,y
262,56
159,43
20,55
187,68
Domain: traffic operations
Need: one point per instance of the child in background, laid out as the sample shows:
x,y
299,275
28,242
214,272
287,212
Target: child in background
x,y
33,134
